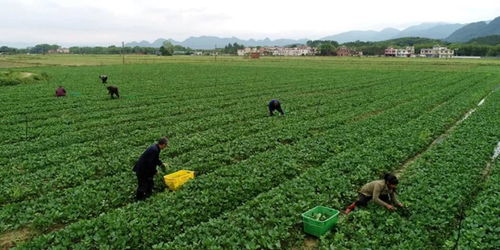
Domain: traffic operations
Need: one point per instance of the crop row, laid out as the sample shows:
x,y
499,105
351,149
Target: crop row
x,y
272,220
479,229
437,188
85,170
206,160
175,88
35,178
78,126
112,110
216,192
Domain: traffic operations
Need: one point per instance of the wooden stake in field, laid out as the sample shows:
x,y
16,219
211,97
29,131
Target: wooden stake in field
x,y
215,61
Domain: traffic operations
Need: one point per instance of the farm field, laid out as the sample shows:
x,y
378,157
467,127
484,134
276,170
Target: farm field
x,y
66,163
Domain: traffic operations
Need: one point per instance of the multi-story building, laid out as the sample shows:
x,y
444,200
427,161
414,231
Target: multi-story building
x,y
437,51
279,51
59,51
406,52
390,51
246,51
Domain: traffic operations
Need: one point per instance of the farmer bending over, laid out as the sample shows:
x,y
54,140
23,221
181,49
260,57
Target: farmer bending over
x,y
145,168
275,105
104,78
113,90
60,91
382,192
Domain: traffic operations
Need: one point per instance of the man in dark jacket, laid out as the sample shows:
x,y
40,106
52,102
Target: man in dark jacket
x,y
275,105
145,168
113,90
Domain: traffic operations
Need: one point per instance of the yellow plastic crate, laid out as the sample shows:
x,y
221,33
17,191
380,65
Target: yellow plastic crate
x,y
175,180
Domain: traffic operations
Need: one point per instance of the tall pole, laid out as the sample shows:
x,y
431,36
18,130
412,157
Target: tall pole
x,y
215,54
123,53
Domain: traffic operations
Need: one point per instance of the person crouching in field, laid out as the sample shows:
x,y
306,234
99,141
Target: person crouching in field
x,y
60,92
145,168
382,192
104,78
275,105
113,90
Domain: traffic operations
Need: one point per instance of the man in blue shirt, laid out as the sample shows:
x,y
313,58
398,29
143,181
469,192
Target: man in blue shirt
x,y
145,168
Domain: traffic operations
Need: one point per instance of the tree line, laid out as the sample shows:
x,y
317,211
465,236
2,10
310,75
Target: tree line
x,y
48,48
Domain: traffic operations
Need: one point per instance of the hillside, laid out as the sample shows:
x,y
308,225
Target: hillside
x,y
474,30
487,40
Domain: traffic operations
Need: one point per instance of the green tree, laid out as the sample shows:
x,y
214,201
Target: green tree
x,y
232,48
43,48
317,43
327,49
167,49
8,50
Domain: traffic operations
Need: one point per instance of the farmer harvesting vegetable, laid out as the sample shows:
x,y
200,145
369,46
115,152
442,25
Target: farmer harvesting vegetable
x,y
113,90
382,192
104,78
60,91
275,105
145,168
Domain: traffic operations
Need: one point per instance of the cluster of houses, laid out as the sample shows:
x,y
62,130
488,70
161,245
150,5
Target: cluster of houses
x,y
435,52
345,51
59,51
296,51
278,51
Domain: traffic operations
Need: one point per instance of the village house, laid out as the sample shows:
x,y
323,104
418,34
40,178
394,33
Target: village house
x,y
279,51
437,52
344,51
406,52
246,51
390,52
59,51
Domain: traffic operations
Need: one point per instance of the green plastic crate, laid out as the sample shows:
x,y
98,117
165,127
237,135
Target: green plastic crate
x,y
317,227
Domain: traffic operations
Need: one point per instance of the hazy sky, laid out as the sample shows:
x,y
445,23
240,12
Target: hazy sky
x,y
107,22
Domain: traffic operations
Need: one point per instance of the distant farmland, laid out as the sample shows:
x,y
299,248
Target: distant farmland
x,y
66,163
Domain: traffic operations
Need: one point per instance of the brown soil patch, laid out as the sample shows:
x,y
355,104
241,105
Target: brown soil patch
x,y
310,242
11,238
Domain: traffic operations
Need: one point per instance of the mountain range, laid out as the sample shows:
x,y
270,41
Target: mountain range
x,y
443,31
211,42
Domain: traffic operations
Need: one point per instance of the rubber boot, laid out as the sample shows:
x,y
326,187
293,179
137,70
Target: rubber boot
x,y
350,208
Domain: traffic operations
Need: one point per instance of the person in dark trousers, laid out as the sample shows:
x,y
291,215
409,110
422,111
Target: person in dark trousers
x,y
145,168
382,192
60,92
275,105
104,78
113,90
